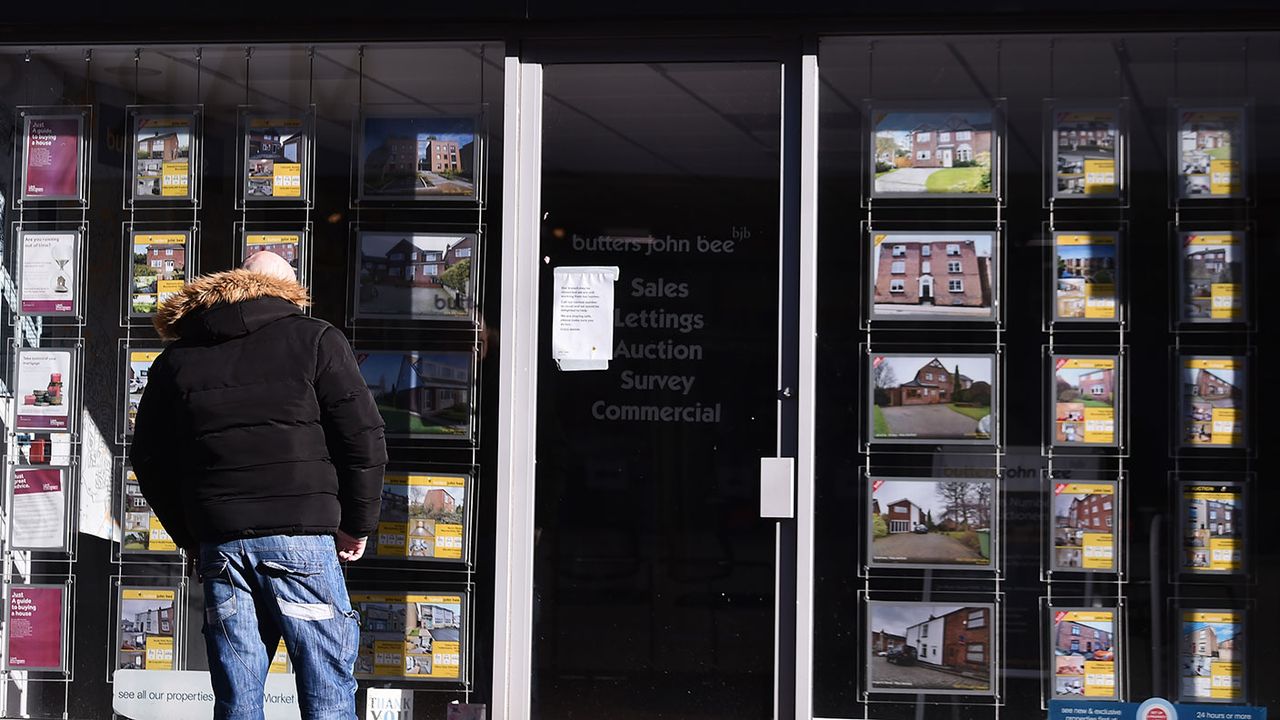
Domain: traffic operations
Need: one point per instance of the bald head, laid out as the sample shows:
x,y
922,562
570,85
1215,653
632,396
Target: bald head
x,y
270,264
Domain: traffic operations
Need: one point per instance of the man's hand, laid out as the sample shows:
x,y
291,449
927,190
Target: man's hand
x,y
349,549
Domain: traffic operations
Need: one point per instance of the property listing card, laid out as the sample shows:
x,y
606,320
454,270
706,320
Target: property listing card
x,y
146,628
1084,527
1085,396
1213,401
1212,662
1085,276
423,517
410,636
276,150
1084,643
1213,529
1212,275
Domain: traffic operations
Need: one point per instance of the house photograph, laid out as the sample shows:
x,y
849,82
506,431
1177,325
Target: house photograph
x,y
136,382
1212,402
1210,153
161,142
287,245
1084,526
944,648
1084,400
416,276
146,629
932,153
159,270
270,143
1082,641
1085,153
418,158
933,275
1084,276
932,397
931,522
1212,655
420,394
1212,528
1213,270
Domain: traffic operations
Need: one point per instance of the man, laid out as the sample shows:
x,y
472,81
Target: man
x,y
261,451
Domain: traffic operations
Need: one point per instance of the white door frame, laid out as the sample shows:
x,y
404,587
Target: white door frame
x,y
517,403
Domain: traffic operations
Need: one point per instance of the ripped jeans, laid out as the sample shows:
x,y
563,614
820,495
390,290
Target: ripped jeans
x,y
258,590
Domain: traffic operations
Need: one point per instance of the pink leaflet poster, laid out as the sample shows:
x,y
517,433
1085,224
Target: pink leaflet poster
x,y
35,627
43,390
38,515
51,160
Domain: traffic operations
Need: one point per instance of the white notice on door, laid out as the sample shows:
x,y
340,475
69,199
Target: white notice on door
x,y
582,317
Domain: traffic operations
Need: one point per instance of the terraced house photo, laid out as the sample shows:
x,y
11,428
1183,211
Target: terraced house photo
x,y
944,648
1213,401
931,522
933,276
922,397
932,153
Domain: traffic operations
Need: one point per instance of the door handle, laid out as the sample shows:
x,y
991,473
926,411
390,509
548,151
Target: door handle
x,y
777,487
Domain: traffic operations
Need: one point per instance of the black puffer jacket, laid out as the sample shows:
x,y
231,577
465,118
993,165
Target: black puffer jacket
x,y
256,421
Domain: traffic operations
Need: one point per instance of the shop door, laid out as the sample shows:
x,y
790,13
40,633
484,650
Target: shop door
x,y
654,574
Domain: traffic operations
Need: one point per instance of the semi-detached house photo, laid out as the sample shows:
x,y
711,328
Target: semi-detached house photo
x,y
923,647
927,153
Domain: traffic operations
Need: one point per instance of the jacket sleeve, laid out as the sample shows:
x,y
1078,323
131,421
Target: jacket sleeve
x,y
155,455
353,430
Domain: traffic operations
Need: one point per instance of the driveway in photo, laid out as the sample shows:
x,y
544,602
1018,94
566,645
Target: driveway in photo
x,y
888,676
928,420
904,180
930,547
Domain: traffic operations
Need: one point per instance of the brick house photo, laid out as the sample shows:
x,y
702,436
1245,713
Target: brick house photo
x,y
952,647
1077,515
158,141
420,394
1084,652
1211,640
415,275
948,153
1085,274
943,397
933,275
1206,390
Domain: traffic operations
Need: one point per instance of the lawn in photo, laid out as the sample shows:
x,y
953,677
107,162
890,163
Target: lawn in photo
x,y
416,276
926,397
418,158
932,153
1213,412
157,271
919,647
931,522
1084,526
1084,653
933,275
162,157
416,637
1210,153
421,393
1213,536
1212,656
1213,276
1084,276
1086,153
276,149
1085,395
423,517
147,626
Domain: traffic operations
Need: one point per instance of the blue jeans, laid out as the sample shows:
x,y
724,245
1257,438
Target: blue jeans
x,y
258,590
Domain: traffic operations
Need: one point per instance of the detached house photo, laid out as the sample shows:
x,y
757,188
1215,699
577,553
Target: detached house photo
x,y
157,143
948,646
931,522
943,397
268,145
947,153
1084,401
420,394
414,276
933,275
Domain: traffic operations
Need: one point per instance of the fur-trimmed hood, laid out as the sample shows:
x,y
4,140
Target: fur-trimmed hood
x,y
222,305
